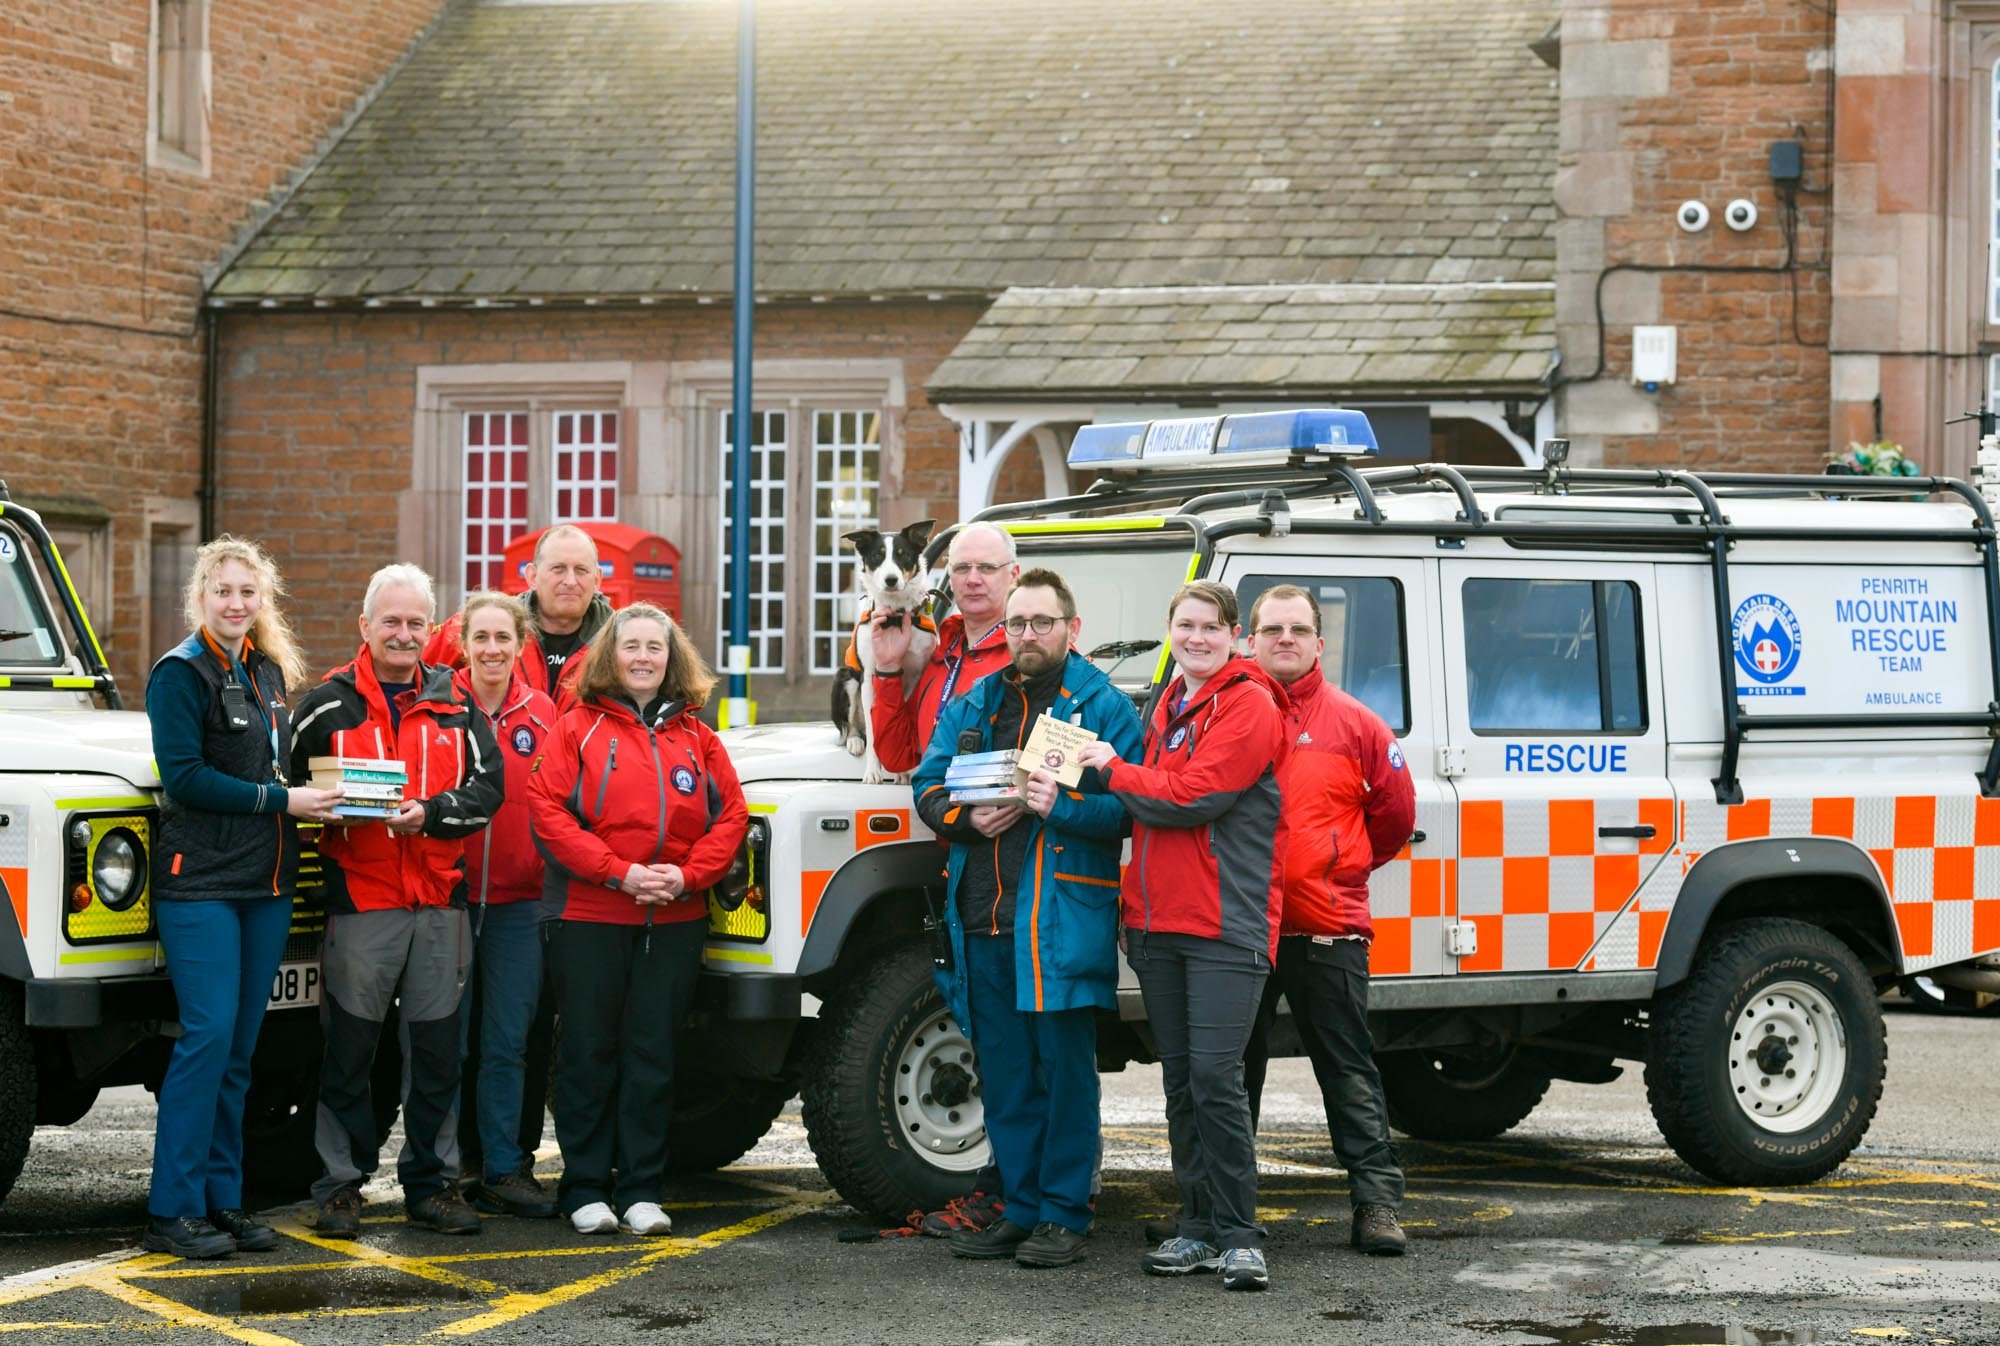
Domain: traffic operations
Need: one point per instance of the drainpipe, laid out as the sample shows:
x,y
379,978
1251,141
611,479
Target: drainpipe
x,y
211,380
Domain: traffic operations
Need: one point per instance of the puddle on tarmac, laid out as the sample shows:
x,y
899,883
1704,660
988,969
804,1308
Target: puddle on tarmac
x,y
1592,1332
655,1320
306,1291
1347,1316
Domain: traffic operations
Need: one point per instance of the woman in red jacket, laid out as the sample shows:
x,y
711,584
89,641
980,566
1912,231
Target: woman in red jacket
x,y
1201,905
639,813
503,877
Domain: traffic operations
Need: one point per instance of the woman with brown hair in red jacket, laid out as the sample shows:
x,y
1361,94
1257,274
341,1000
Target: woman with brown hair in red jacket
x,y
638,812
1201,906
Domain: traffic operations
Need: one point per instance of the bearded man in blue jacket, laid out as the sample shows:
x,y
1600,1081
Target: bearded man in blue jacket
x,y
1032,912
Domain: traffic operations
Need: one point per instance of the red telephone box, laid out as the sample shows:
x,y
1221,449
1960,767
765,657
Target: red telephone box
x,y
637,566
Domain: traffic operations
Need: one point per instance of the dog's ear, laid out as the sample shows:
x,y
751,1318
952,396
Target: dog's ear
x,y
920,532
867,544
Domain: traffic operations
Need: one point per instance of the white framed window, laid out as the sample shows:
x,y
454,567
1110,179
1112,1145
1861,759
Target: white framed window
x,y
584,484
769,463
846,486
178,75
496,493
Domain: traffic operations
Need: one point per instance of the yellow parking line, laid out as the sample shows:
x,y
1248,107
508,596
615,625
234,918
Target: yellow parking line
x,y
513,1307
421,1267
182,1316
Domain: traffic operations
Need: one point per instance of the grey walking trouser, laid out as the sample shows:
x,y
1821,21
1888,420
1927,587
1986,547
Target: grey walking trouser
x,y
1201,1000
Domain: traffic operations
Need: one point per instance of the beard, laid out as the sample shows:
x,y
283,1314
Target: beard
x,y
1033,660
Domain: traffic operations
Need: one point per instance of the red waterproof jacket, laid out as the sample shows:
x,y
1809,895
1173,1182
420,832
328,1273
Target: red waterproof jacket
x,y
904,724
1208,828
447,747
610,792
501,863
1349,806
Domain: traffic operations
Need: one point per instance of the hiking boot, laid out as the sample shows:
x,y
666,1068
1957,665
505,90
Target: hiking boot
x,y
186,1236
340,1214
517,1193
996,1241
964,1215
445,1211
1376,1232
1157,1232
252,1235
1178,1256
1243,1269
1052,1245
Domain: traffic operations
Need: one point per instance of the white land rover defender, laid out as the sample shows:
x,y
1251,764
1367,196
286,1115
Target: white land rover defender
x,y
1703,763
85,1002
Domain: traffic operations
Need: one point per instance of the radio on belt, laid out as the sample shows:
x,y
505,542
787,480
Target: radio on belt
x,y
1249,439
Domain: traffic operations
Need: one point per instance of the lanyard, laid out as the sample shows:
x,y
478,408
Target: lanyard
x,y
239,669
954,661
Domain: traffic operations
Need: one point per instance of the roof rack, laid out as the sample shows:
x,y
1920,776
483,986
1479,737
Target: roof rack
x,y
1200,495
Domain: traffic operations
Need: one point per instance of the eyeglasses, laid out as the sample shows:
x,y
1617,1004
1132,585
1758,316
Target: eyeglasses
x,y
1299,631
1041,625
963,568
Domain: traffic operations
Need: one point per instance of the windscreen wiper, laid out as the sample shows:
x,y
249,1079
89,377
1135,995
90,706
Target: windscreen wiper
x,y
1123,649
15,635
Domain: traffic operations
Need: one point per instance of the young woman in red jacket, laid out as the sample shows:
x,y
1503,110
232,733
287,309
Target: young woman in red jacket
x,y
639,813
1201,906
503,880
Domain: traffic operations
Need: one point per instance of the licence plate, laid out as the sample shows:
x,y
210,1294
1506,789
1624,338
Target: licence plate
x,y
295,986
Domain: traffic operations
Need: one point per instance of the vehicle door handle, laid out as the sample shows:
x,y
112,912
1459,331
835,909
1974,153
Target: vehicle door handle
x,y
1644,831
1419,837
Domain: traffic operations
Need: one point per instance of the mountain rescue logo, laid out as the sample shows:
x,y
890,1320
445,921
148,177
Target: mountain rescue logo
x,y
524,740
683,780
1175,739
1395,756
1768,641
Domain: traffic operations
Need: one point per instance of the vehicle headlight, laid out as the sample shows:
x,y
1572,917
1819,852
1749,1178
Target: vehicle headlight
x,y
118,869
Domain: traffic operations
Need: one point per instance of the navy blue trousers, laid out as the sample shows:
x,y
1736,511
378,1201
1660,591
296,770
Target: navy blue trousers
x,y
222,955
1038,1071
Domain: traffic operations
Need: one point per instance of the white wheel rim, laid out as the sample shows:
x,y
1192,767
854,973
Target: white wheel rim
x,y
940,1111
1787,1057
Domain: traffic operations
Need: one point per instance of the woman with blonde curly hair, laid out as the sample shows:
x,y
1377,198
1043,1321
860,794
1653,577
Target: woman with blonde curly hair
x,y
639,812
224,875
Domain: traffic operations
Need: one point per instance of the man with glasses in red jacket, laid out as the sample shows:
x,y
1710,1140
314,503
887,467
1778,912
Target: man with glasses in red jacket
x,y
1349,806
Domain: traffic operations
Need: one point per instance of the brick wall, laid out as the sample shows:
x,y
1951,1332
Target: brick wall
x,y
101,251
317,416
1668,101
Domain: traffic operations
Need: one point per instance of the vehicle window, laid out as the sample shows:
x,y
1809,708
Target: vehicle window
x,y
26,636
1361,618
1549,655
1121,594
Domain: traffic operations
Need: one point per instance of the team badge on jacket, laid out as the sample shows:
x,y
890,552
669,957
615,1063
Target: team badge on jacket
x,y
683,780
524,740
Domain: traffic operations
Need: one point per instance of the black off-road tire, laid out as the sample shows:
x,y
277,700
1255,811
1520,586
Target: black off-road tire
x,y
1697,1034
17,1086
1436,1095
280,1115
853,1082
717,1120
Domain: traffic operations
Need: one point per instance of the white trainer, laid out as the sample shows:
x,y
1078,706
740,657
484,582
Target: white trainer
x,y
596,1218
643,1217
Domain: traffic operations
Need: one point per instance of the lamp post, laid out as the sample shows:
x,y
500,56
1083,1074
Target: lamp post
x,y
745,310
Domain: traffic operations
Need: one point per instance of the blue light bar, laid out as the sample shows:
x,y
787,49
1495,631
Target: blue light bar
x,y
1240,440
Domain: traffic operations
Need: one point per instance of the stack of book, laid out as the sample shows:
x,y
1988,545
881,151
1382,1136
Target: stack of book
x,y
983,777
374,786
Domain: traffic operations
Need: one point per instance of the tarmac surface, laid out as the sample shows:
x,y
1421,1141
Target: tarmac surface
x,y
1578,1227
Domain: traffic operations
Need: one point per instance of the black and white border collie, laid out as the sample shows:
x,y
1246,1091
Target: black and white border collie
x,y
891,579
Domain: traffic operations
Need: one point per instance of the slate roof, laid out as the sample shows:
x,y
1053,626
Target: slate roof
x,y
568,150
1474,340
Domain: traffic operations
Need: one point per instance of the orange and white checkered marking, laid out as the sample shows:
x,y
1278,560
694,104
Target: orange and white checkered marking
x,y
1540,886
1411,901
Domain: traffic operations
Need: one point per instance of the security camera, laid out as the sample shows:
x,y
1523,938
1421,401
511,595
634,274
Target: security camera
x,y
1692,216
1740,214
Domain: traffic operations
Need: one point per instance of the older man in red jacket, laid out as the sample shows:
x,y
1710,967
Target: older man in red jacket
x,y
1349,805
